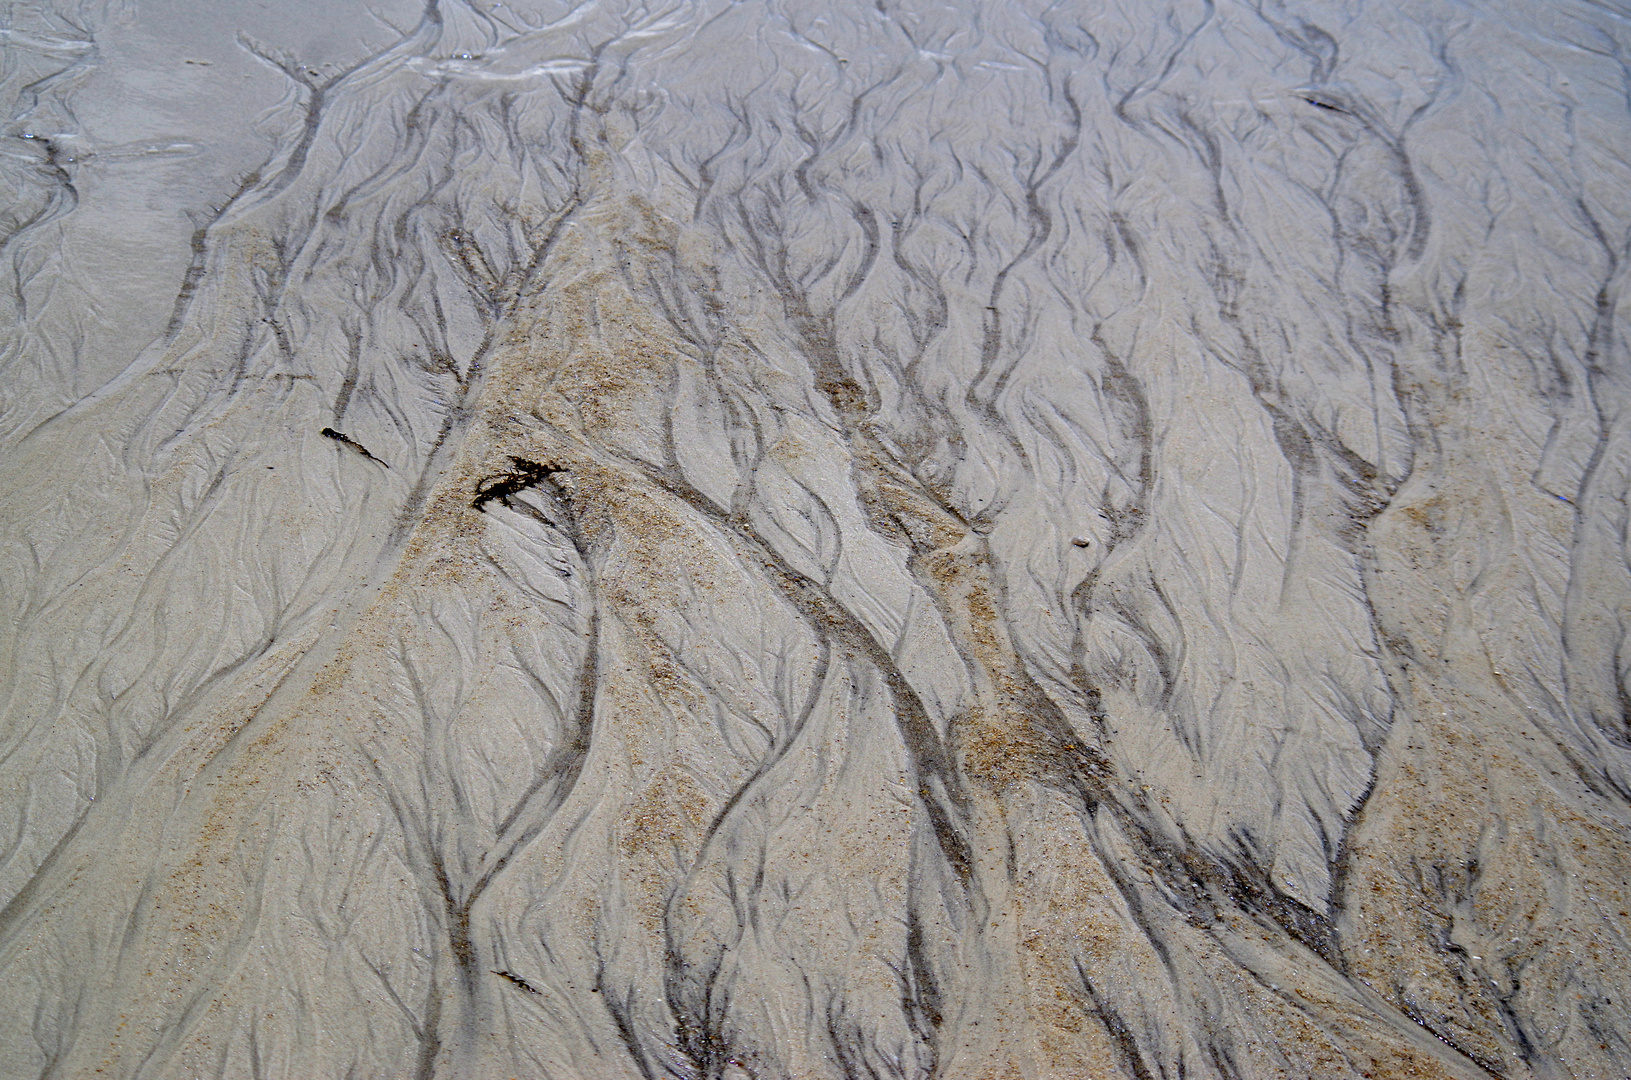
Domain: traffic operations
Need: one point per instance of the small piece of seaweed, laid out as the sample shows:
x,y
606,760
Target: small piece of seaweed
x,y
525,474
342,437
519,981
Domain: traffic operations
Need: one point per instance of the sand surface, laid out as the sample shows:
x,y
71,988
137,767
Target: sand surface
x,y
794,539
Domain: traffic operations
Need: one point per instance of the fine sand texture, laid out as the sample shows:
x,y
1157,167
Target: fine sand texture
x,y
815,540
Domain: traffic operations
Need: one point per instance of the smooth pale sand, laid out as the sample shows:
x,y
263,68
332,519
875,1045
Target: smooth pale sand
x,y
980,540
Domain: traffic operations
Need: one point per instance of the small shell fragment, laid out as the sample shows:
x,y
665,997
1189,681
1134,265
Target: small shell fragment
x,y
1081,541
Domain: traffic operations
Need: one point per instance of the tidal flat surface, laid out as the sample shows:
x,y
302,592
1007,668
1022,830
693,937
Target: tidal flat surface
x,y
782,539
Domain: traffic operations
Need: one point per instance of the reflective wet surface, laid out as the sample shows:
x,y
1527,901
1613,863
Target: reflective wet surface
x,y
760,540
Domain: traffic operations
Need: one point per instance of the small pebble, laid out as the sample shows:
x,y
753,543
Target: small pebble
x,y
1082,541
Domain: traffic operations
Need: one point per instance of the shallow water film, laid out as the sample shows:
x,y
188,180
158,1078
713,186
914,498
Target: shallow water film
x,y
783,539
